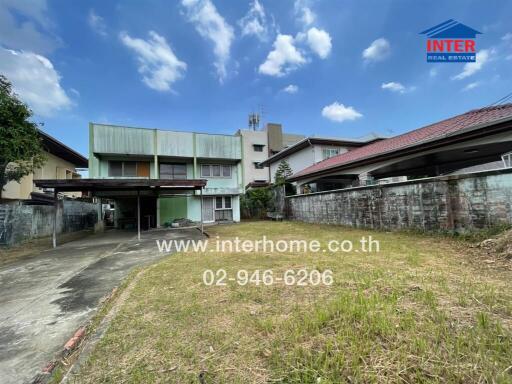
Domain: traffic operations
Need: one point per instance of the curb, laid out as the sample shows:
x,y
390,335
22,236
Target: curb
x,y
72,345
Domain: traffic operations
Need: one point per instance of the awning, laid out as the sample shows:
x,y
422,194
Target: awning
x,y
105,185
92,185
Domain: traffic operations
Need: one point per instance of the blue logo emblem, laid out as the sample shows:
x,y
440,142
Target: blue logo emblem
x,y
451,42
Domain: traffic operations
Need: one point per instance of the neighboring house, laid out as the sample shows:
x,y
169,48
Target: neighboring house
x,y
312,150
478,139
61,163
258,146
118,152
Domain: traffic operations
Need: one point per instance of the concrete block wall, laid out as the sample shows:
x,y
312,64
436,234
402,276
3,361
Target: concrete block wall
x,y
451,203
25,222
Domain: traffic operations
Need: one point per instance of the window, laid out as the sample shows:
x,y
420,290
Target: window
x,y
173,171
258,147
226,170
115,168
215,170
128,168
258,165
223,202
329,152
205,171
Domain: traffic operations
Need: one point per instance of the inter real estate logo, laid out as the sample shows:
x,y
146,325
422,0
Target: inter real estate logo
x,y
451,42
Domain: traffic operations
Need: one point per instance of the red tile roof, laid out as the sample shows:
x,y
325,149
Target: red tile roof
x,y
448,127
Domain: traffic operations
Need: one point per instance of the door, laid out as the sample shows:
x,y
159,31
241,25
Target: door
x,y
208,216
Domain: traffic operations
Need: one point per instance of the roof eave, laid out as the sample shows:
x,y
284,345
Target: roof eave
x,y
397,152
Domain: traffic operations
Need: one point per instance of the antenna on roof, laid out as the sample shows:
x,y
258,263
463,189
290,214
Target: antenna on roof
x,y
254,121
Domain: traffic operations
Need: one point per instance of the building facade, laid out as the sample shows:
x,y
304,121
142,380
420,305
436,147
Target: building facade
x,y
61,163
312,150
258,145
132,153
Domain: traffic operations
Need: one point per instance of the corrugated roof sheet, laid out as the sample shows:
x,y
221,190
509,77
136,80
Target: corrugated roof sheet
x,y
431,132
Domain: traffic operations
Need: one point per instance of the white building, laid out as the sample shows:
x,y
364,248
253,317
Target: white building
x,y
312,150
257,146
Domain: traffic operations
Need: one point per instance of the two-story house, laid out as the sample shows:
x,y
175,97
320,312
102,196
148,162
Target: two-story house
x,y
62,163
118,152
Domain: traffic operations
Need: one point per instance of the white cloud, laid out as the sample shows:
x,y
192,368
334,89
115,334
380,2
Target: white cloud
x,y
392,86
471,86
255,22
507,37
292,88
35,80
284,58
158,64
397,87
212,26
339,113
320,42
377,51
30,32
304,13
97,23
433,72
482,58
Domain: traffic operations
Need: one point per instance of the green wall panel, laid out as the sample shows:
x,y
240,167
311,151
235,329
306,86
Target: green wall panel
x,y
172,208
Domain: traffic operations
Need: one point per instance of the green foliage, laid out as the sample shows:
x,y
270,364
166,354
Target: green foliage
x,y
283,171
21,151
255,203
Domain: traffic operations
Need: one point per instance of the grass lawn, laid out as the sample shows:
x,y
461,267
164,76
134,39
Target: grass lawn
x,y
423,309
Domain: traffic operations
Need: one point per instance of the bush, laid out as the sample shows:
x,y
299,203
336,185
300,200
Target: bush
x,y
255,203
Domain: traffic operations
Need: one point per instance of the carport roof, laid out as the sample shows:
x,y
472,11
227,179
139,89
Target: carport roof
x,y
71,185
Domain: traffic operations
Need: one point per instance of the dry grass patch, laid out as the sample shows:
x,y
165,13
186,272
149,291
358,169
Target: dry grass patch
x,y
421,310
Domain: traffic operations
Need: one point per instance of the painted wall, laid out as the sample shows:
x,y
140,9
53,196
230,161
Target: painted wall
x,y
297,161
451,203
54,168
172,208
189,207
249,139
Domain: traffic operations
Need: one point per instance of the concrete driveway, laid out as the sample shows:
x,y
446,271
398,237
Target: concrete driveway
x,y
44,299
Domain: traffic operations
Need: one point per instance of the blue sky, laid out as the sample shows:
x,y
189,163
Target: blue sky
x,y
324,68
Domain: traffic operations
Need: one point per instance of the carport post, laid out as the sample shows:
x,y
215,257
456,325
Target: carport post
x,y
202,231
138,214
55,208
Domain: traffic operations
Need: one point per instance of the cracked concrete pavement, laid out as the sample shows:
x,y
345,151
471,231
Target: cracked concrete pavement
x,y
45,298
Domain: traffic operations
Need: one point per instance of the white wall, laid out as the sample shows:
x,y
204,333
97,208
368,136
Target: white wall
x,y
250,156
297,161
303,158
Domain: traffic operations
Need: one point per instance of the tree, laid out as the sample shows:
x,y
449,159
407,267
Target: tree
x,y
21,150
283,171
255,203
